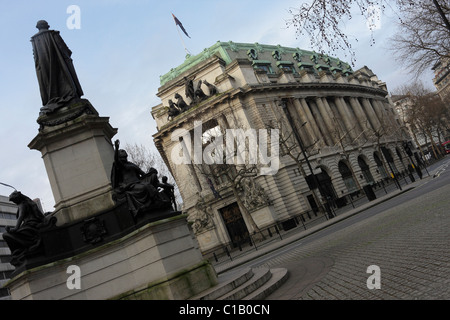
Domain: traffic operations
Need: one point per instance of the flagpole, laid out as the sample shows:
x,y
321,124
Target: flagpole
x,y
182,41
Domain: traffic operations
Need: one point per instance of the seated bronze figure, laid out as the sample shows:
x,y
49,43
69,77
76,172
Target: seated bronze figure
x,y
137,188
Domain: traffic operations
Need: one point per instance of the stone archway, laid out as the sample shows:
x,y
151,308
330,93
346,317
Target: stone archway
x,y
234,224
347,176
365,170
380,166
326,185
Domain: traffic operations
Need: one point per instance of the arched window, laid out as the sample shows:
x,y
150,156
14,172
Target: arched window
x,y
326,185
389,158
365,170
380,166
347,177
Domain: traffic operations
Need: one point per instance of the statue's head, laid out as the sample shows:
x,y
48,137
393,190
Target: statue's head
x,y
42,25
123,155
16,197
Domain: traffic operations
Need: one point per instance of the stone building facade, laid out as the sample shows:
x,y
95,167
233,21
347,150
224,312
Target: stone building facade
x,y
442,78
421,140
321,110
8,218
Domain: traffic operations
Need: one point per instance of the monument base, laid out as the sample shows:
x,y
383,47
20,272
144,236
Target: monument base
x,y
75,143
160,260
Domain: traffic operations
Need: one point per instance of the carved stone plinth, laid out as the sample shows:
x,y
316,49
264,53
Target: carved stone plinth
x,y
159,260
75,143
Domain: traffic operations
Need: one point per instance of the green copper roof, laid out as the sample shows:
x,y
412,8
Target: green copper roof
x,y
229,51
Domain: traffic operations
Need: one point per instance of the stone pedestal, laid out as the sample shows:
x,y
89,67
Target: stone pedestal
x,y
76,147
160,260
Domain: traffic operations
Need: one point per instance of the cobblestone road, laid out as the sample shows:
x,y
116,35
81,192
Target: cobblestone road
x,y
409,243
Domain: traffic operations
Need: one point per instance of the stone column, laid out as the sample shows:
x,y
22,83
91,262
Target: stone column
x,y
331,119
390,113
325,135
362,119
386,115
308,137
222,121
371,115
359,129
379,110
347,118
312,124
325,113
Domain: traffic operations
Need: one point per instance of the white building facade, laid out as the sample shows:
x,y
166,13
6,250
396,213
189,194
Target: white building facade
x,y
331,120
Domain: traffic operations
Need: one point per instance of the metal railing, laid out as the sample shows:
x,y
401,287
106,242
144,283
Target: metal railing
x,y
303,221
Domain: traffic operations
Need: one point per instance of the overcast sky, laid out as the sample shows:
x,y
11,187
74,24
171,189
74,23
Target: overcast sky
x,y
122,48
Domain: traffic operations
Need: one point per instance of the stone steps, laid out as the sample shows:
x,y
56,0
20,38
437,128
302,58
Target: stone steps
x,y
248,284
278,277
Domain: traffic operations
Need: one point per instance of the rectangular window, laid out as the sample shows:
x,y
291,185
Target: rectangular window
x,y
263,65
286,65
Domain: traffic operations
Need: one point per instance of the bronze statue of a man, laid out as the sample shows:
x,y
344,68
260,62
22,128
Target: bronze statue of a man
x,y
58,82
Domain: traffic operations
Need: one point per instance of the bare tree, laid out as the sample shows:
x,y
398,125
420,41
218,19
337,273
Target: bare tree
x,y
145,159
423,33
409,112
322,21
426,114
423,37
429,115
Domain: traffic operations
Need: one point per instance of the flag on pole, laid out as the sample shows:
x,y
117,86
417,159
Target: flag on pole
x,y
178,23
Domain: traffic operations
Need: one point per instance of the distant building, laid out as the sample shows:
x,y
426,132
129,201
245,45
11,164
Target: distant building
x,y
402,103
442,78
343,119
8,217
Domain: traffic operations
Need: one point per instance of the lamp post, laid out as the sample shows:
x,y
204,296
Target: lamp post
x,y
7,185
300,143
388,158
407,145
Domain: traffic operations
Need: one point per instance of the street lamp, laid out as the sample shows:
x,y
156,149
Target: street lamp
x,y
283,104
7,185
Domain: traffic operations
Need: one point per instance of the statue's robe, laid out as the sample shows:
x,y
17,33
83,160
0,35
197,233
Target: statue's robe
x,y
58,82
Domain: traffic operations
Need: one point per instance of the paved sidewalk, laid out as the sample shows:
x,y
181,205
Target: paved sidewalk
x,y
408,243
294,235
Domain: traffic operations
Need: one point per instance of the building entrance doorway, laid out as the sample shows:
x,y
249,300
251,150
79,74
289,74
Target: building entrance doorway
x,y
326,186
235,224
